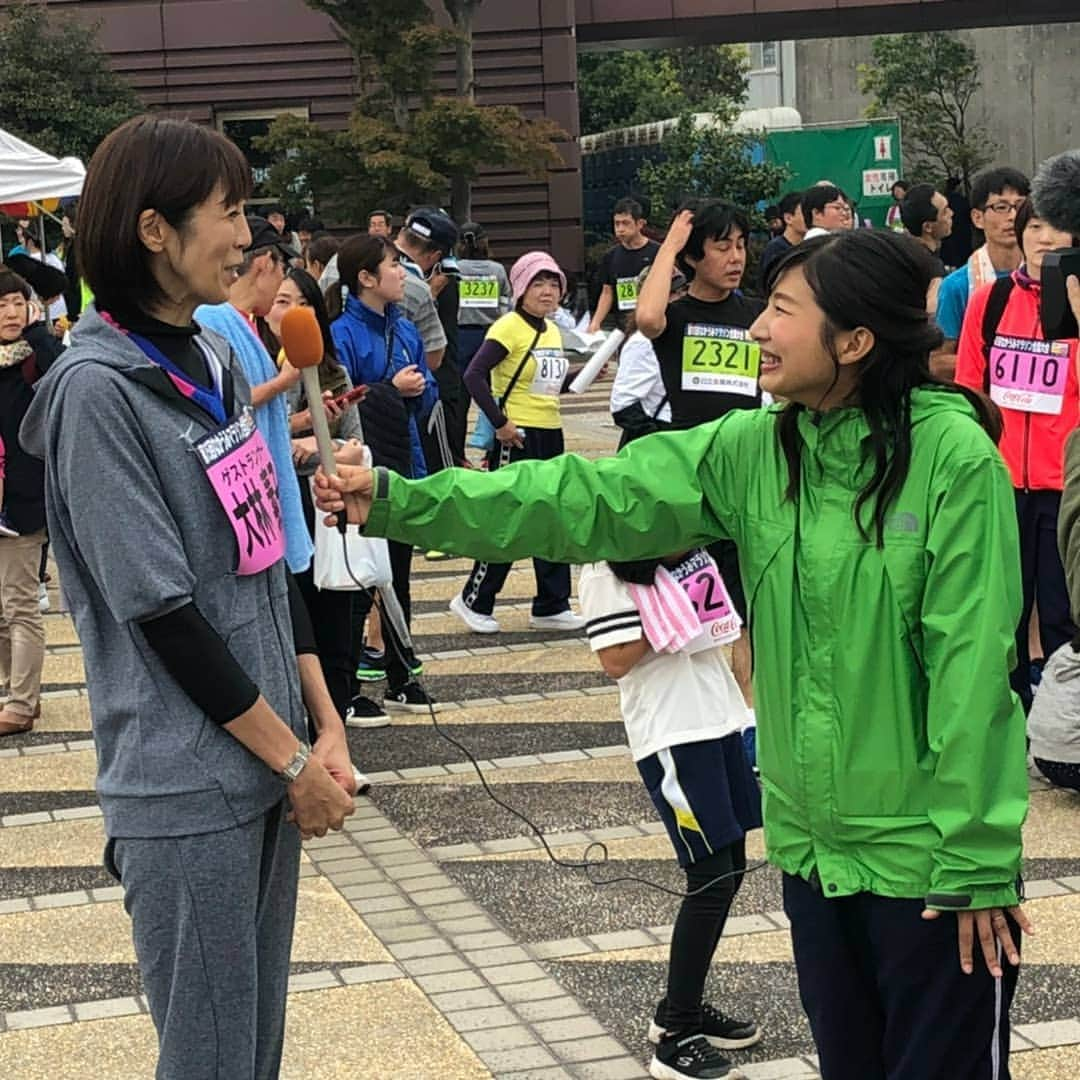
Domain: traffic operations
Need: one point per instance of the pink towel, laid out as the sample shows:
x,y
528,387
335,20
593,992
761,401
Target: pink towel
x,y
667,613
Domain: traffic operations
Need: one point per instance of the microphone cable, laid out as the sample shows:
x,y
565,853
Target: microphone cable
x,y
596,854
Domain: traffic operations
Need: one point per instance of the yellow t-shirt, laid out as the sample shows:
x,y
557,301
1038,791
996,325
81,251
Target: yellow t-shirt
x,y
534,401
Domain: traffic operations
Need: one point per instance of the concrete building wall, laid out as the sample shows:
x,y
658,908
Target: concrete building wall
x,y
1028,101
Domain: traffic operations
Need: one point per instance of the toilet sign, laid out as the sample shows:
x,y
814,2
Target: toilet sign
x,y
877,182
883,148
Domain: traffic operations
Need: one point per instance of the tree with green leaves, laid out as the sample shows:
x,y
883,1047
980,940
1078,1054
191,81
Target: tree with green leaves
x,y
619,89
57,90
929,80
709,159
405,143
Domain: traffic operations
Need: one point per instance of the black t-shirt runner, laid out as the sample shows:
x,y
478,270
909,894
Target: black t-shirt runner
x,y
621,269
707,360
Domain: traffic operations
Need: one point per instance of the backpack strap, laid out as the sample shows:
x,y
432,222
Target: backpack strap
x,y
996,303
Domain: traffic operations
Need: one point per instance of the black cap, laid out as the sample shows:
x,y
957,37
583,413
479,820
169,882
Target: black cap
x,y
45,280
434,225
264,235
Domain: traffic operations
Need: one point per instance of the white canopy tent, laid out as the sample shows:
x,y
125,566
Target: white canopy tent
x,y
30,175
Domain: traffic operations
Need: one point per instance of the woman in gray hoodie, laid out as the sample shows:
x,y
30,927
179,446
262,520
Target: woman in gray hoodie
x,y
162,504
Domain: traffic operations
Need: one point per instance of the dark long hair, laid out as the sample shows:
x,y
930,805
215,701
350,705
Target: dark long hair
x,y
309,290
878,280
360,252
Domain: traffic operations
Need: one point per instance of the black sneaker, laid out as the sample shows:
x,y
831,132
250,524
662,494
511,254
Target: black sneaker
x,y
411,698
414,664
690,1057
722,1031
365,713
372,665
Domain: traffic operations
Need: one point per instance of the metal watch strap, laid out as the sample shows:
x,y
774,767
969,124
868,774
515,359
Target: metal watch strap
x,y
296,766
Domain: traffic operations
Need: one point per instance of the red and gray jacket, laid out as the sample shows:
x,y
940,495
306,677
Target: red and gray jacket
x,y
1003,352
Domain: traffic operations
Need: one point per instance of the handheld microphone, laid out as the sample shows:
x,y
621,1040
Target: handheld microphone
x,y
1055,194
302,341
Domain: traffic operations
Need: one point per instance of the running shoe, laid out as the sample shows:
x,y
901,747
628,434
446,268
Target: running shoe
x,y
365,713
477,623
565,620
690,1057
411,698
723,1031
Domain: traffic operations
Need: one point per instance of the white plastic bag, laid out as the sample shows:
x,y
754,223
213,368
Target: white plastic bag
x,y
368,559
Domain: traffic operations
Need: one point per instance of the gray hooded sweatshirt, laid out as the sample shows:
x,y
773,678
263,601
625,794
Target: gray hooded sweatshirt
x,y
137,532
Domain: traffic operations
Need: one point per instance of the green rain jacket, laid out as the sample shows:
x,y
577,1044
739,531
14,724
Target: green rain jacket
x,y
892,751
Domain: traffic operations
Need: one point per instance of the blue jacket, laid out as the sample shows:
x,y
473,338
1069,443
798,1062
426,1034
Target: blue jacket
x,y
360,337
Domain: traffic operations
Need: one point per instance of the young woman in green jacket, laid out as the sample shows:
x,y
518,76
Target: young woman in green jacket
x,y
877,536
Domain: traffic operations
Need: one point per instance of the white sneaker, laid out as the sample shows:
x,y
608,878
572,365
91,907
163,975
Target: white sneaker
x,y
477,623
43,598
565,620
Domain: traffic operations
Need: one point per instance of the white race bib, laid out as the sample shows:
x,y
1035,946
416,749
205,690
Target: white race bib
x,y
551,369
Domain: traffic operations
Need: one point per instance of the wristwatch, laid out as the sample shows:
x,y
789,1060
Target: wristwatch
x,y
296,766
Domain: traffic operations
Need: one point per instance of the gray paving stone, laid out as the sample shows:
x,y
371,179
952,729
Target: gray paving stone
x,y
463,909
407,857
1051,1033
534,990
61,900
573,1027
553,950
424,868
476,1019
623,939
402,934
110,892
455,1000
555,1073
441,982
495,939
454,851
780,1069
557,757
457,768
599,1048
661,933
624,1068
370,889
373,904
549,1009
510,1061
353,877
509,954
103,1010
506,974
313,980
507,844
337,855
560,695
426,883
387,920
472,925
42,817
1072,883
426,897
414,948
35,1018
390,847
521,699
747,924
617,832
77,813
431,965
1037,890
387,776
378,830
365,973
14,907
419,772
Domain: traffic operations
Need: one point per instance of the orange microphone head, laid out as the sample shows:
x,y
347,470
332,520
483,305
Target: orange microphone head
x,y
301,338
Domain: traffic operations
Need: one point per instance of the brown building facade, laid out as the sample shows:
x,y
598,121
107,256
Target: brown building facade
x,y
238,63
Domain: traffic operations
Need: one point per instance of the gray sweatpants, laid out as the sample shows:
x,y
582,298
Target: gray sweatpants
x,y
212,919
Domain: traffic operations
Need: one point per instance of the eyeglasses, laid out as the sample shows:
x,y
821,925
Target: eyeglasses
x,y
840,208
1004,207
